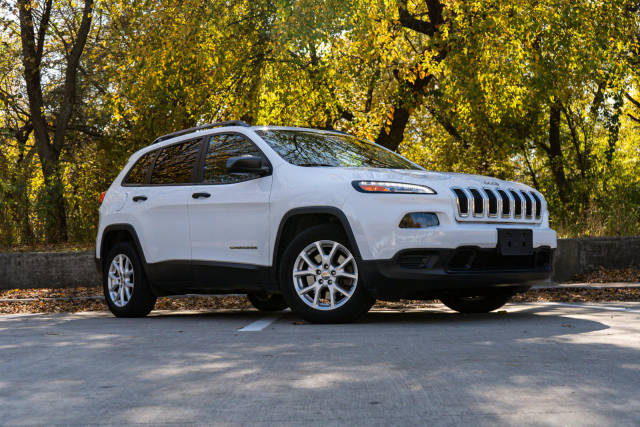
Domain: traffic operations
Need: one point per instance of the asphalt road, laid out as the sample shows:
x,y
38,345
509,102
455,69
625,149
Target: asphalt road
x,y
535,364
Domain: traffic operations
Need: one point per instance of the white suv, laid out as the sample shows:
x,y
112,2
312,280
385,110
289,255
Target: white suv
x,y
314,220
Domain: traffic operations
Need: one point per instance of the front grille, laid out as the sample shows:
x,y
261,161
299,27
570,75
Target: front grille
x,y
463,201
506,203
517,211
538,204
493,202
498,205
478,202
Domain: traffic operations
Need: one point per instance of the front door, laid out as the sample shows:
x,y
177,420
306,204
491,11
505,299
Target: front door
x,y
229,217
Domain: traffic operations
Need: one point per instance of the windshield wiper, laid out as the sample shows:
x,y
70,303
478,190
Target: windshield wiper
x,y
316,164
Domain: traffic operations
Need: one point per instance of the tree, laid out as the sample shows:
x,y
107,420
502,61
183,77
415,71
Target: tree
x,y
49,147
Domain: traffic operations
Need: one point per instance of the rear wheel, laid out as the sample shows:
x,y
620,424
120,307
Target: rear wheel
x,y
267,302
125,286
476,304
320,279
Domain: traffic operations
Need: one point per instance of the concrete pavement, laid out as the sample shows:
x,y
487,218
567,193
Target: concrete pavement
x,y
535,364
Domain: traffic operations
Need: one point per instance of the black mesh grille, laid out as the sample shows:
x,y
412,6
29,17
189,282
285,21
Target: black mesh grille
x,y
492,260
417,259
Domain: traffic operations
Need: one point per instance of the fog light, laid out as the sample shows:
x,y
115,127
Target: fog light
x,y
419,220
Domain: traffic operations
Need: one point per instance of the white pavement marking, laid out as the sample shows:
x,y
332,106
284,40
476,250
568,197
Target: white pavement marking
x,y
595,307
259,325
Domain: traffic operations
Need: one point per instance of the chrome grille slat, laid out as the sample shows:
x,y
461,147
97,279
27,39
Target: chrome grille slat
x,y
476,194
488,205
491,213
538,205
469,201
461,204
509,204
517,204
527,205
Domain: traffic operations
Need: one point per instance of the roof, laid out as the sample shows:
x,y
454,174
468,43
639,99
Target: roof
x,y
237,123
202,127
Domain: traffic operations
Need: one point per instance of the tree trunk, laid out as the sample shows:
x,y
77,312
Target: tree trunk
x,y
555,152
410,94
55,208
49,151
408,98
23,202
393,136
55,215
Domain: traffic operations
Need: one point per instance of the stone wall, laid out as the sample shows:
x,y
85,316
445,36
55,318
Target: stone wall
x,y
73,269
48,270
576,256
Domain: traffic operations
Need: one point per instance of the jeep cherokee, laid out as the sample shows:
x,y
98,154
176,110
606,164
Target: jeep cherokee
x,y
318,221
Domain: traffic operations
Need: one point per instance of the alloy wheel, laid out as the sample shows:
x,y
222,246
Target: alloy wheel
x,y
120,280
325,275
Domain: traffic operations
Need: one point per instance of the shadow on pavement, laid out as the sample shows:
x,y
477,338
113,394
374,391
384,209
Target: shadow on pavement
x,y
537,365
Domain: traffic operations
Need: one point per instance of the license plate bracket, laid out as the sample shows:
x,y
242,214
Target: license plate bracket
x,y
515,241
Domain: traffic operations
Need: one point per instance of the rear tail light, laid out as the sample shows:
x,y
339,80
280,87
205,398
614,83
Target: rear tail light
x,y
102,196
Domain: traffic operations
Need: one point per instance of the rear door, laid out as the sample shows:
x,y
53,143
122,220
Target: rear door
x,y
162,220
229,220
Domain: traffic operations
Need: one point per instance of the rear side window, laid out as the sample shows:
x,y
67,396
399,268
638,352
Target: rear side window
x,y
175,163
221,148
138,173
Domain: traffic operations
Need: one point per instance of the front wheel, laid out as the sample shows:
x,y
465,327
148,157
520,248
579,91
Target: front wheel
x,y
320,278
476,304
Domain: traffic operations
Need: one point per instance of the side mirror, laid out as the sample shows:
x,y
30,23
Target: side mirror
x,y
248,164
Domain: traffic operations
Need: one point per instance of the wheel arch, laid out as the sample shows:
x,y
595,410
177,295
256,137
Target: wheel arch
x,y
298,219
117,233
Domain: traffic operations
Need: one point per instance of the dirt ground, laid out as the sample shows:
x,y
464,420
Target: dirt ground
x,y
90,299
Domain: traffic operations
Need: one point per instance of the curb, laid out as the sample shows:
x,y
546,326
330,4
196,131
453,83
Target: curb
x,y
612,285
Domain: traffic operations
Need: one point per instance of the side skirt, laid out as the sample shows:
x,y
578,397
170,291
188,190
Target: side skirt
x,y
208,277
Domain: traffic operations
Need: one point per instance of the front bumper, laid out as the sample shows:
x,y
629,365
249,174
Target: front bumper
x,y
468,270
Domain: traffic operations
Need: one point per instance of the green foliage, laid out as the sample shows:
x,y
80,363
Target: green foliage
x,y
480,88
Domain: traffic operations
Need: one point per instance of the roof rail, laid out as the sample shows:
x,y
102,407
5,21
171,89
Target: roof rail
x,y
328,129
202,127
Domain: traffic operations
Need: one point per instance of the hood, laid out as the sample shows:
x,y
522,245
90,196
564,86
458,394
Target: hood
x,y
439,181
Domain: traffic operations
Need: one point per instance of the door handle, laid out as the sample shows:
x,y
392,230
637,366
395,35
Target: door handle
x,y
200,195
139,198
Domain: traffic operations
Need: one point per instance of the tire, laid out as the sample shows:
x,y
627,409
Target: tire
x,y
476,304
335,295
267,302
123,275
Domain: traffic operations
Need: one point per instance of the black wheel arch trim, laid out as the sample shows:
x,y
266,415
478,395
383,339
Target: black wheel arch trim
x,y
307,210
136,241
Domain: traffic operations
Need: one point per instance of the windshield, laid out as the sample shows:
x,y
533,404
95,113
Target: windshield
x,y
308,148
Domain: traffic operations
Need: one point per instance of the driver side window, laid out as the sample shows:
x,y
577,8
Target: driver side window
x,y
220,148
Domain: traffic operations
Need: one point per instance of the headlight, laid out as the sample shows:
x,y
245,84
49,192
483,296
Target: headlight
x,y
391,187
